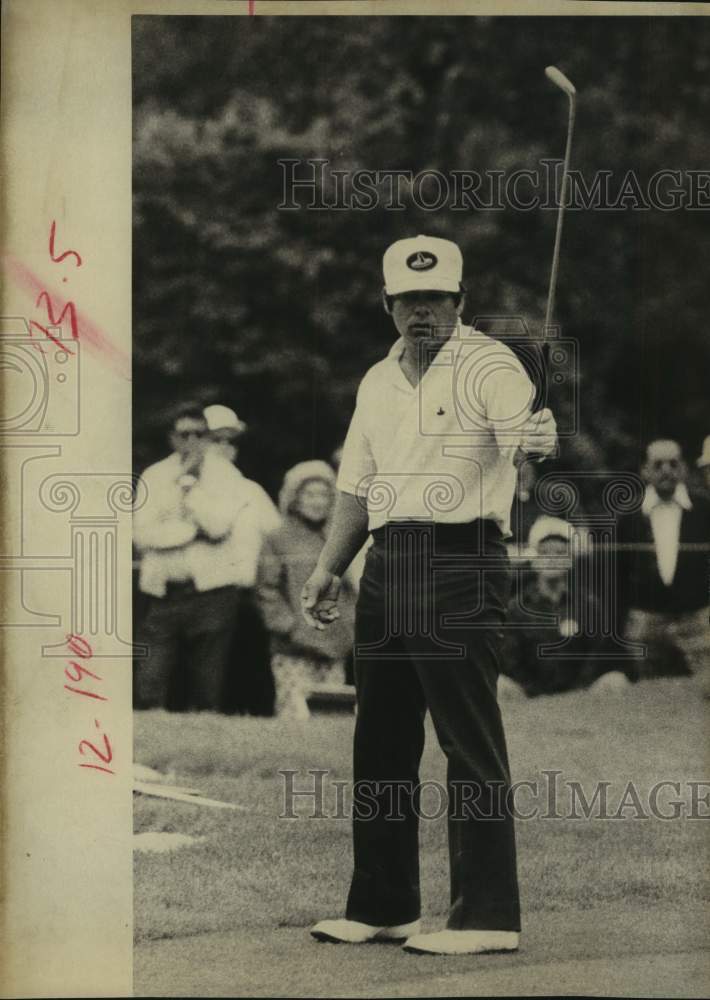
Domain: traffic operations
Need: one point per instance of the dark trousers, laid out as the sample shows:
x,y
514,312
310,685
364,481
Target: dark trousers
x,y
428,632
249,683
188,636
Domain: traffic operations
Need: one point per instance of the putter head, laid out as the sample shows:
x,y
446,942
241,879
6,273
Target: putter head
x,y
560,80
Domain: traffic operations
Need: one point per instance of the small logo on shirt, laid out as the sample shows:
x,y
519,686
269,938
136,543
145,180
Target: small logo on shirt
x,y
440,412
422,260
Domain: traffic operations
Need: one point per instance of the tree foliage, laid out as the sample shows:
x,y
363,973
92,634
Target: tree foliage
x,y
277,313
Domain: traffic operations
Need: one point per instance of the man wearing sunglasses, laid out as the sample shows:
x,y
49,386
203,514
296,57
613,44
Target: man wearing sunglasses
x,y
663,563
194,540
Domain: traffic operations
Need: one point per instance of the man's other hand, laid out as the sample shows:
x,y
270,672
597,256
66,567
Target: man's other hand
x,y
319,598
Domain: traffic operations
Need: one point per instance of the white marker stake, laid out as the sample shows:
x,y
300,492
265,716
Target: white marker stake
x,y
177,795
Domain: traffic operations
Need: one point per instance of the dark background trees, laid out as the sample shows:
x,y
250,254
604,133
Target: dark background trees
x,y
277,313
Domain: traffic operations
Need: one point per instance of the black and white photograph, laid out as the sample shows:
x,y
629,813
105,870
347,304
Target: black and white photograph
x,y
420,411
420,438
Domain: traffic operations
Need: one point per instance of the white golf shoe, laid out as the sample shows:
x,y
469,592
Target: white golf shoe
x,y
353,932
449,942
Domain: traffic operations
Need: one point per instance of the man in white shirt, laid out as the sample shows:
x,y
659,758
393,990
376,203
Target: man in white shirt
x,y
199,533
429,469
663,563
249,683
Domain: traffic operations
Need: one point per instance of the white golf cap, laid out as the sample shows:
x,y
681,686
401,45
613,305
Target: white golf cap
x,y
549,527
222,418
422,263
705,457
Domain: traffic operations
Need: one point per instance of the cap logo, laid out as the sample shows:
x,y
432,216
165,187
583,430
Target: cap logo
x,y
422,260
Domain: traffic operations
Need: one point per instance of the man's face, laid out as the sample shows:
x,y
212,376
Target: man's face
x,y
553,560
189,437
664,468
425,315
224,443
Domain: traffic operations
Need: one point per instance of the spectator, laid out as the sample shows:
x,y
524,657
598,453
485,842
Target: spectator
x,y
703,463
249,685
663,563
198,543
555,607
226,431
302,656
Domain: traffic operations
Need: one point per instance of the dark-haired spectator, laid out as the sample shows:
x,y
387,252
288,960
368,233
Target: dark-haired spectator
x,y
703,463
196,532
663,563
301,656
556,608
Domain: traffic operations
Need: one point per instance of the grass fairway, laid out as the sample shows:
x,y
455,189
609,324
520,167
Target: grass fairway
x,y
602,887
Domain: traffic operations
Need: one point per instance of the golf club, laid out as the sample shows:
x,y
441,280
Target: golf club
x,y
541,354
561,81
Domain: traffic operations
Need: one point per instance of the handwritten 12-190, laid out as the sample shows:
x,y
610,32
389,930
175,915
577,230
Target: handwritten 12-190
x,y
79,673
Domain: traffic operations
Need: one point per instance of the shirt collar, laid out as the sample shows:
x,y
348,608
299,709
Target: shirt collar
x,y
395,351
680,496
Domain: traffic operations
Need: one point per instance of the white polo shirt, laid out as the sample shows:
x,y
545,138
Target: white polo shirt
x,y
442,450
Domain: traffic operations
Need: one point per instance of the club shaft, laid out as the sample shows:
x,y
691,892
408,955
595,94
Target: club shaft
x,y
549,314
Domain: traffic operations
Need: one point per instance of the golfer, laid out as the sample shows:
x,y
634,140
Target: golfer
x,y
429,469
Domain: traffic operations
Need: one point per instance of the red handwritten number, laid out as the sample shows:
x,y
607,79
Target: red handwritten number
x,y
58,320
88,694
69,309
79,646
80,672
105,758
109,753
62,256
50,336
